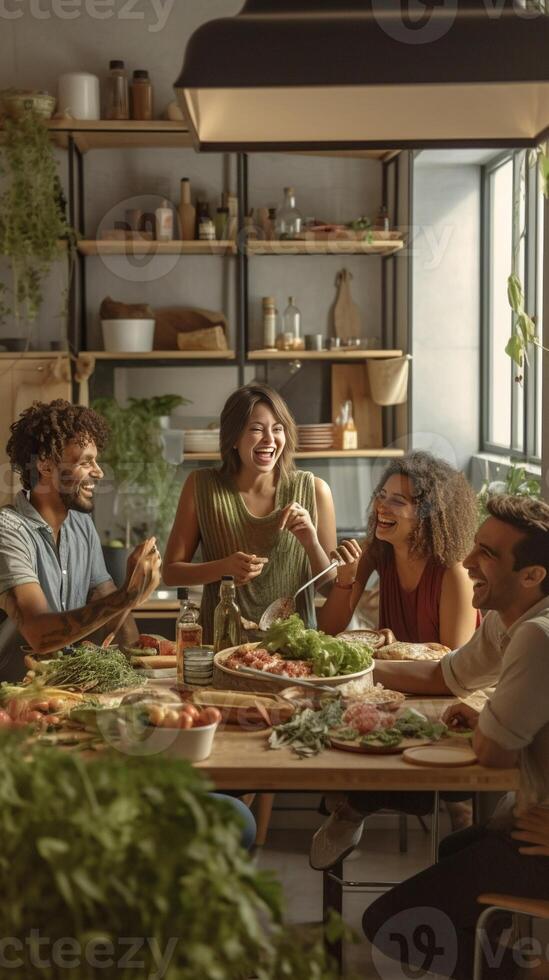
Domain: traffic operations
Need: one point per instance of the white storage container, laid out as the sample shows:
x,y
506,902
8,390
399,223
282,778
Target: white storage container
x,y
128,336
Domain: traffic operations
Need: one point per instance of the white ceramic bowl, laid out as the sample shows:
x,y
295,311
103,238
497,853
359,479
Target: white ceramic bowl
x,y
128,336
193,744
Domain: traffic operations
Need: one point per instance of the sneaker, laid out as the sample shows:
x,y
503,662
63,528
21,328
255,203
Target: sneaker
x,y
337,837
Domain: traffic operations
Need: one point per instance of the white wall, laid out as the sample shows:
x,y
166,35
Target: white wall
x,y
446,307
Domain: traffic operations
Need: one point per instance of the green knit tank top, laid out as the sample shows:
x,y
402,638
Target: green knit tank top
x,y
226,526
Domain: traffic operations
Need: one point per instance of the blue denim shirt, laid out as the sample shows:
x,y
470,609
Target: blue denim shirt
x,y
67,571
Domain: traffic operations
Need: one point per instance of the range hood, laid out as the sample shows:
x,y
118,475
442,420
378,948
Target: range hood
x,y
368,74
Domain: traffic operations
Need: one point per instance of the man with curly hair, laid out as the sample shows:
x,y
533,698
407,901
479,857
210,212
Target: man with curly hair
x,y
54,586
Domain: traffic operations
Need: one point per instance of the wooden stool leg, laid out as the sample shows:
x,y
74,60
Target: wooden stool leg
x,y
248,799
264,810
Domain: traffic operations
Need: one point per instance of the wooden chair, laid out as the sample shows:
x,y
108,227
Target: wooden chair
x,y
263,816
532,907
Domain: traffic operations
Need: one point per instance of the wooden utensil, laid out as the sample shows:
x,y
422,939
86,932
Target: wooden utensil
x,y
346,312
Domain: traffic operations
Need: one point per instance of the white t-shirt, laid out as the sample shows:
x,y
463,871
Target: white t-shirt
x,y
516,662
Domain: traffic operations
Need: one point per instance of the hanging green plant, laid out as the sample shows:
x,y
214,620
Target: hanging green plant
x,y
33,225
524,335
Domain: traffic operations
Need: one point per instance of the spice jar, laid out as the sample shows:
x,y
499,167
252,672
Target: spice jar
x,y
141,95
117,102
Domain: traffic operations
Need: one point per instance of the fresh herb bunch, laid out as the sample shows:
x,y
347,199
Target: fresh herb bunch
x,y
330,657
91,668
32,217
307,731
121,847
147,488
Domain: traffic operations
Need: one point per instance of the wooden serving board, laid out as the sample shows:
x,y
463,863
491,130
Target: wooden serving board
x,y
350,381
355,746
440,755
154,663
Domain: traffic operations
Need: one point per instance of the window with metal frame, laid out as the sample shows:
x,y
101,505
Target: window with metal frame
x,y
512,239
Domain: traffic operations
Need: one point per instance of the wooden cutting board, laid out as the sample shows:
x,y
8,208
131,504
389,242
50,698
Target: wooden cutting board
x,y
441,755
346,312
159,663
350,381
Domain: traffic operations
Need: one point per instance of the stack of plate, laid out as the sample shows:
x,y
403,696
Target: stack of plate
x,y
315,437
198,663
202,440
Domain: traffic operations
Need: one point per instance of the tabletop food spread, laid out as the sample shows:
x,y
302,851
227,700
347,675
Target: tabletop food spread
x,y
88,697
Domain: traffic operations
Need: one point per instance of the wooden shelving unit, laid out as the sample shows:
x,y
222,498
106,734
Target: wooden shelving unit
x,y
315,454
335,247
88,247
111,134
165,355
345,354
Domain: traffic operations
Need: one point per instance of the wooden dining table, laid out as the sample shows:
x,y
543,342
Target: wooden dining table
x,y
242,760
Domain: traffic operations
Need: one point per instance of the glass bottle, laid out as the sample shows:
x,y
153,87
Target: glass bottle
x,y
381,222
141,95
188,631
227,627
292,319
349,431
117,101
269,323
288,218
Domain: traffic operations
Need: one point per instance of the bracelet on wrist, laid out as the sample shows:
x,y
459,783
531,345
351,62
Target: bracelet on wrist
x,y
340,586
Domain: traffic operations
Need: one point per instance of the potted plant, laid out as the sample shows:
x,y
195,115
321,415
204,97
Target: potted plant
x,y
34,231
146,485
92,853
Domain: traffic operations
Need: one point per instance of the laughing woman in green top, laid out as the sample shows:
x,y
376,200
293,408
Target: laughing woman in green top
x,y
256,517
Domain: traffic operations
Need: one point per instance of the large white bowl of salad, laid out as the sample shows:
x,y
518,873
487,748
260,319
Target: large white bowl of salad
x,y
290,650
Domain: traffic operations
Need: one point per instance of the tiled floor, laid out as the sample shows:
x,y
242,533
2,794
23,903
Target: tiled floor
x,y
378,859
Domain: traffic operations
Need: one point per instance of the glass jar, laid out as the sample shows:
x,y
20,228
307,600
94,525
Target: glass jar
x,y
288,218
141,95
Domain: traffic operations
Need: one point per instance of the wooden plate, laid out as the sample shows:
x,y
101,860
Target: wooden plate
x,y
407,744
440,755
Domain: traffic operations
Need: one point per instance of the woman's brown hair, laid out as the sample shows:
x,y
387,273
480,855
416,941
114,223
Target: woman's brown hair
x,y
234,418
446,509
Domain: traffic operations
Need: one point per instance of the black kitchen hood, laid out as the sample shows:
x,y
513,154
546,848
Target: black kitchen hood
x,y
368,74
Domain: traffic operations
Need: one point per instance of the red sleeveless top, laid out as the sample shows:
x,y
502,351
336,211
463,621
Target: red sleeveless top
x,y
412,616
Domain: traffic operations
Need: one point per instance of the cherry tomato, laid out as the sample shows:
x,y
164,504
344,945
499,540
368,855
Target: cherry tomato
x,y
5,720
185,720
156,714
38,705
191,710
34,716
171,719
208,716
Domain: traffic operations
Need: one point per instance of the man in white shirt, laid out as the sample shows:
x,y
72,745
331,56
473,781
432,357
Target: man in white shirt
x,y
428,921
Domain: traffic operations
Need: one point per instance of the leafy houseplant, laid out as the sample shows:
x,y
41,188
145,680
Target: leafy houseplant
x,y
516,482
92,853
146,485
32,216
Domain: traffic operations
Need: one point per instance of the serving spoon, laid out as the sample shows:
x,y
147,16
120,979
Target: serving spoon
x,y
282,608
